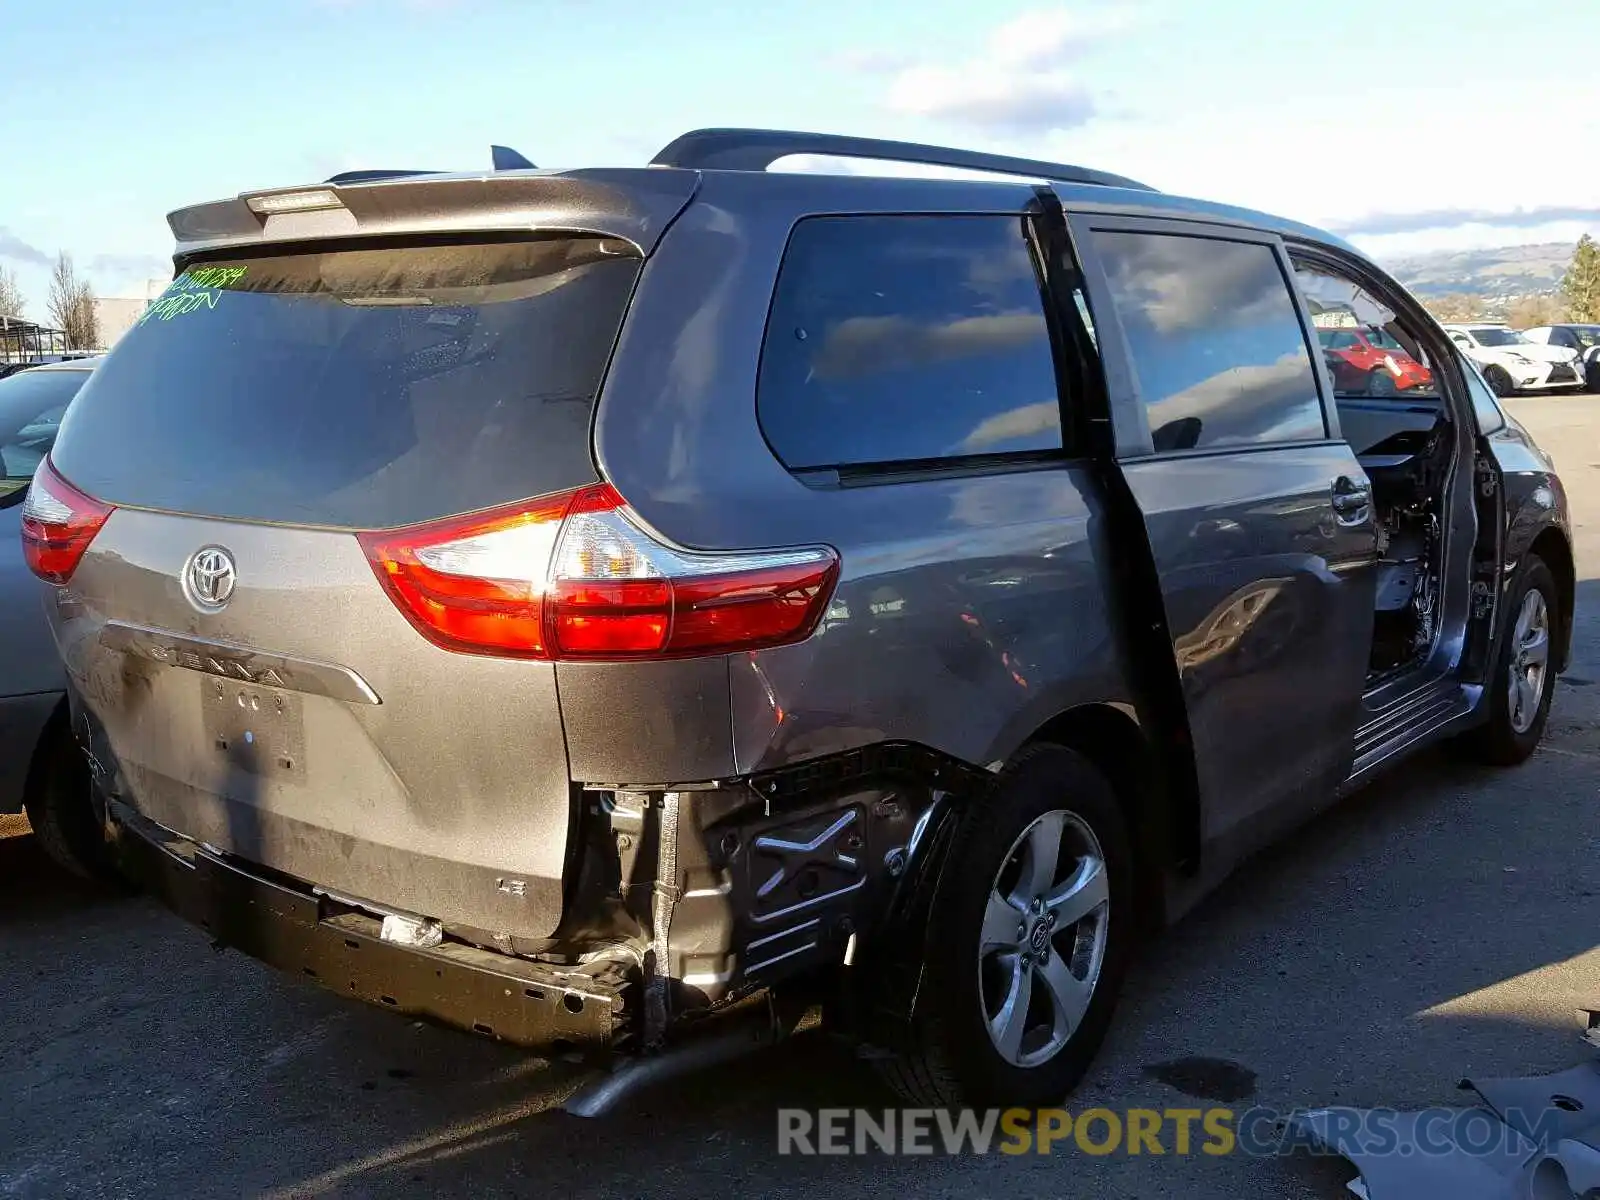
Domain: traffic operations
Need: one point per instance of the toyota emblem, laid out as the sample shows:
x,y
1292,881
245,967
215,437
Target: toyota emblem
x,y
210,577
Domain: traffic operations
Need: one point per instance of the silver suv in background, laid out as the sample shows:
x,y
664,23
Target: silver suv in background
x,y
566,604
40,767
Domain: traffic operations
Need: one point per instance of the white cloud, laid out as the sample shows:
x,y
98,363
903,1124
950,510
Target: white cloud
x,y
1379,224
1156,276
1251,400
13,247
1426,172
1020,82
858,345
1026,422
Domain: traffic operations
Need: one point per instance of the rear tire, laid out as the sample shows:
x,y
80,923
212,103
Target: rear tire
x,y
1018,996
1499,379
1517,713
61,810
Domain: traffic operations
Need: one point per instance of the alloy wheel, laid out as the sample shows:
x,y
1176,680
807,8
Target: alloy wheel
x,y
1530,659
1044,938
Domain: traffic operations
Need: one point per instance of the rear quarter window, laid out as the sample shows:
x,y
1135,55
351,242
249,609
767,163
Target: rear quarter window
x,y
1216,341
908,340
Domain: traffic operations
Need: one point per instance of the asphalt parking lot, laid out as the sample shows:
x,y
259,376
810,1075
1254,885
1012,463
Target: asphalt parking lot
x,y
1444,923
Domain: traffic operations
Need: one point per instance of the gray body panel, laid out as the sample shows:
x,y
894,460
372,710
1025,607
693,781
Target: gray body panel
x,y
970,609
966,637
425,801
1268,602
1535,507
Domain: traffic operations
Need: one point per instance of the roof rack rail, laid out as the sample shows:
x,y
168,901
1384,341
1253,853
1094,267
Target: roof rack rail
x,y
758,149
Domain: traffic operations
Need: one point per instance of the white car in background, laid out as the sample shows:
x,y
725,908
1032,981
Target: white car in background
x,y
1513,363
1582,338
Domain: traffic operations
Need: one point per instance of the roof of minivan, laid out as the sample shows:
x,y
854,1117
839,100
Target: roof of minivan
x,y
639,197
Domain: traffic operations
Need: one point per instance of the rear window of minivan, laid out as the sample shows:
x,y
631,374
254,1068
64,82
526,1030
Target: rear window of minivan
x,y
358,387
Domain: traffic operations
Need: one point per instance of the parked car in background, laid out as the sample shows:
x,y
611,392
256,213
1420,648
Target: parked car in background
x,y
1370,361
568,604
1514,363
41,769
1583,339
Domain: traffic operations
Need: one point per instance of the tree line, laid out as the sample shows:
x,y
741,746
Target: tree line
x,y
70,302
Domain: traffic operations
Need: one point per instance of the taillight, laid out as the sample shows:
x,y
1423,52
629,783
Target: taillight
x,y
58,523
575,576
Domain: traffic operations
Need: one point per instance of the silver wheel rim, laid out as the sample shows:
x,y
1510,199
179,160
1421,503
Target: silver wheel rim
x,y
1530,656
1043,939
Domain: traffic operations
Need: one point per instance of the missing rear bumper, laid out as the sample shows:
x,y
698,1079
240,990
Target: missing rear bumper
x,y
526,1004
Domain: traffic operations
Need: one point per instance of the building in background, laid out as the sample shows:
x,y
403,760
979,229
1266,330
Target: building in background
x,y
115,315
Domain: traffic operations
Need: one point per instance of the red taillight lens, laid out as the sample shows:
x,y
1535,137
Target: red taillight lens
x,y
575,577
58,523
475,583
754,608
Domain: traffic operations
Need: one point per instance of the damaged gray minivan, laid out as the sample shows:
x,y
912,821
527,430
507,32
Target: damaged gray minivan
x,y
569,604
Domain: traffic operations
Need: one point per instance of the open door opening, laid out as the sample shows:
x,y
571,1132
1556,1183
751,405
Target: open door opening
x,y
1395,417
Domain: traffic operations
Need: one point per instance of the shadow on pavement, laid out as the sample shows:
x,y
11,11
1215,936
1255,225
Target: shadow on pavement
x,y
31,886
712,1134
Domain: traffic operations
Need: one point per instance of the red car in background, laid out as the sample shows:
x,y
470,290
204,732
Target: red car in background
x,y
1369,362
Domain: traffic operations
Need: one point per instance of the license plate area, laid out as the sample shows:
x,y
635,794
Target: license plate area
x,y
255,729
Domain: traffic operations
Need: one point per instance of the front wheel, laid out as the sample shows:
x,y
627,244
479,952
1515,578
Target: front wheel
x,y
1500,380
1524,678
1030,941
1381,383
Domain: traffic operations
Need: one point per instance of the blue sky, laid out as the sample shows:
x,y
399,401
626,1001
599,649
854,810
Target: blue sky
x,y
1408,125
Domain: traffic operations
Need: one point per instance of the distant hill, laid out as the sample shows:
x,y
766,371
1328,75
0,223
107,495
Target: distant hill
x,y
1501,271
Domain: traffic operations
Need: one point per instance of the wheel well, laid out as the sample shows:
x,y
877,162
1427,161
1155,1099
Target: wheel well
x,y
1551,546
56,726
1159,817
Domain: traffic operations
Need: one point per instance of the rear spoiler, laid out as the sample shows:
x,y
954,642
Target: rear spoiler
x,y
634,204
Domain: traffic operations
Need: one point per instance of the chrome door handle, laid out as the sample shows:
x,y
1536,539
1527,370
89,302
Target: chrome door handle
x,y
1351,500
